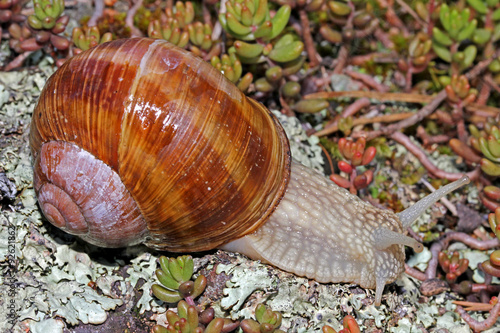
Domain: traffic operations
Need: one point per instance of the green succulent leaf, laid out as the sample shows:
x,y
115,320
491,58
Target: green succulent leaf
x,y
248,50
444,16
263,85
235,26
494,146
167,280
166,295
490,168
481,36
469,56
199,286
442,52
264,30
287,52
478,5
293,66
187,270
441,37
310,105
261,13
466,32
339,8
496,15
485,149
34,22
280,20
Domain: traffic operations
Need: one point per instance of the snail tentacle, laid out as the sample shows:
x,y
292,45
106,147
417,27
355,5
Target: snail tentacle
x,y
411,214
385,238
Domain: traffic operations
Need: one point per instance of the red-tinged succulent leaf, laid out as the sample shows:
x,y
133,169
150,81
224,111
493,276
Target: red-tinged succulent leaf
x,y
357,158
328,329
491,205
463,265
492,192
351,324
250,326
340,181
30,44
361,144
342,143
450,94
360,182
59,42
490,269
495,258
451,277
345,167
42,36
369,155
469,99
369,176
348,150
464,151
444,261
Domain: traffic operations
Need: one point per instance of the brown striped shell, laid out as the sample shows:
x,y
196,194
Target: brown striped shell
x,y
138,141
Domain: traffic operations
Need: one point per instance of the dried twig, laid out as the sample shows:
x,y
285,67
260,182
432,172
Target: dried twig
x,y
478,326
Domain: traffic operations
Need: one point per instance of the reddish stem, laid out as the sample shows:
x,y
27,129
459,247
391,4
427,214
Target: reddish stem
x,y
456,236
129,19
98,12
308,41
368,80
413,272
422,157
478,326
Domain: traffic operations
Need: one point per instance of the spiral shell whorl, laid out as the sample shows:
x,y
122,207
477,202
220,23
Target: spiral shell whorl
x,y
89,204
203,164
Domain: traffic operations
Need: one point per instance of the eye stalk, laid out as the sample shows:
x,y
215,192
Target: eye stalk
x,y
411,214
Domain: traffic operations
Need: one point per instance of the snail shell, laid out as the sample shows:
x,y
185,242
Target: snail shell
x,y
138,141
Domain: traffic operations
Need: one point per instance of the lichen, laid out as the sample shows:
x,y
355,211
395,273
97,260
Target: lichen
x,y
53,269
304,148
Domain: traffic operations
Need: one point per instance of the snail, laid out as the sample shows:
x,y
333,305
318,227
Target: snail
x,y
138,141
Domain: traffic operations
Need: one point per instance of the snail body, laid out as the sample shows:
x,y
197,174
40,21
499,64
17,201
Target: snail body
x,y
138,141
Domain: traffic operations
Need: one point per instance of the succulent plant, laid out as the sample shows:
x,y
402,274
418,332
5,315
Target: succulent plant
x,y
459,91
349,323
182,12
86,38
267,321
250,19
231,67
487,142
355,154
169,31
494,220
186,320
456,29
175,278
200,36
47,22
10,12
453,265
